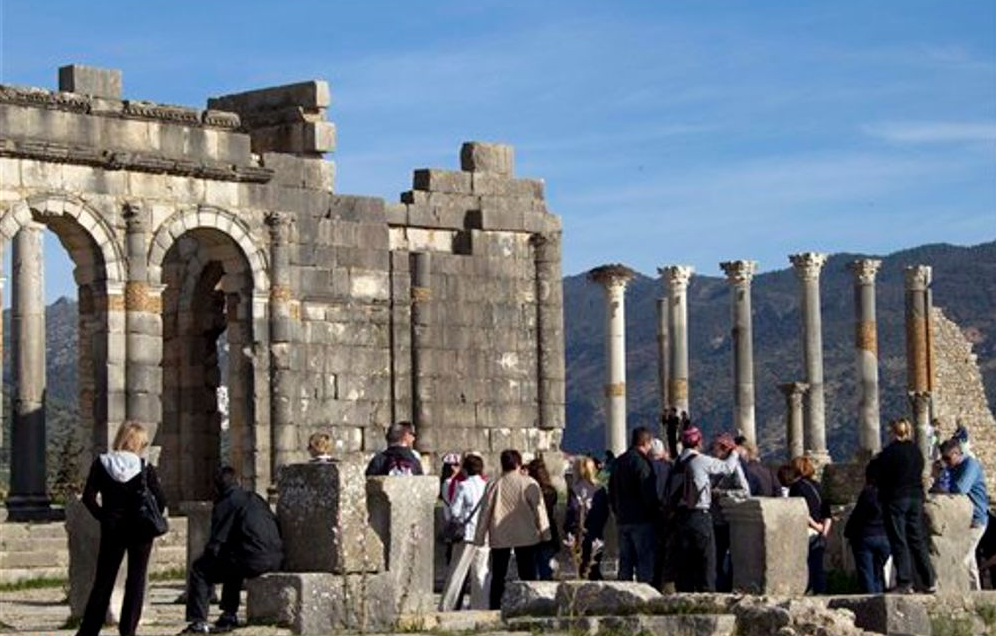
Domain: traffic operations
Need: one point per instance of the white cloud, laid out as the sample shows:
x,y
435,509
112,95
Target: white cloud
x,y
907,132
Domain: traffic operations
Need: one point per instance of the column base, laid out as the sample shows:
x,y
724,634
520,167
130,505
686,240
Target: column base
x,y
32,508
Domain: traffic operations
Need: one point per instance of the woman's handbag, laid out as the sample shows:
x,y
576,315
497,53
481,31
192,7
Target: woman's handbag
x,y
149,519
454,529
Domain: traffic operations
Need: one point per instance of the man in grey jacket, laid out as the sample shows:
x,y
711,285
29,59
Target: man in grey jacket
x,y
694,545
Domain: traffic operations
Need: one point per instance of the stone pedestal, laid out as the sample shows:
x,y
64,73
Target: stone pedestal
x,y
948,520
83,532
768,544
401,513
322,509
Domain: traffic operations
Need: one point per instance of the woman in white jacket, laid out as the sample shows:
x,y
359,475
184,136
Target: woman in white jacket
x,y
468,558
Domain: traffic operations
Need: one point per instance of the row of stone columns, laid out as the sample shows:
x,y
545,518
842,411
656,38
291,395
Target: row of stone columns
x,y
805,400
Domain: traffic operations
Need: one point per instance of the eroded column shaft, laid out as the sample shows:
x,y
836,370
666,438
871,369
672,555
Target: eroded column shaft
x,y
677,277
918,377
143,329
739,275
807,267
28,494
282,386
551,374
421,296
866,356
794,442
663,349
614,279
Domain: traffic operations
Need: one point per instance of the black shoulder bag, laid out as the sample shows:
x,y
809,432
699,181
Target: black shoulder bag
x,y
149,519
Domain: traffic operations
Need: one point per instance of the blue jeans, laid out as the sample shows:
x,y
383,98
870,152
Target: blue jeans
x,y
637,543
870,555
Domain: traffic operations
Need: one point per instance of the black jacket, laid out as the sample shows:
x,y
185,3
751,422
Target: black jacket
x,y
244,532
899,468
118,501
866,518
633,489
394,460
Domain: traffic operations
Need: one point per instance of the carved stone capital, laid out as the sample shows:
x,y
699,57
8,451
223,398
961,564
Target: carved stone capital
x,y
918,277
613,276
919,400
136,219
676,277
808,264
864,270
280,225
739,272
793,390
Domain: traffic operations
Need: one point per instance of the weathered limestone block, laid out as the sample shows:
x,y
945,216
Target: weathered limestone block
x,y
477,156
842,483
321,602
603,597
948,519
886,614
90,80
762,617
402,514
529,598
769,544
83,532
198,528
323,518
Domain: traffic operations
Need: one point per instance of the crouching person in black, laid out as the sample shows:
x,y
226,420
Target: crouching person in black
x,y
244,543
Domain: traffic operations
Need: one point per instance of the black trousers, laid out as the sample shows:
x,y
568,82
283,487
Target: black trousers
x,y
908,541
207,571
694,552
525,562
113,546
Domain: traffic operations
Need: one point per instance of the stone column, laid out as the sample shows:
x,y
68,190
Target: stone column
x,y
614,279
421,298
794,392
739,275
2,279
28,498
143,328
807,267
282,386
866,354
677,277
919,380
551,375
663,353
920,406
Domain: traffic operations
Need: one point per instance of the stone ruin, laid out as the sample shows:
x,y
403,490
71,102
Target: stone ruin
x,y
340,313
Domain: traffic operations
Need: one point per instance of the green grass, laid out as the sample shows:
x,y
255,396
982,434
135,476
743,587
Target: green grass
x,y
949,626
172,574
987,612
34,584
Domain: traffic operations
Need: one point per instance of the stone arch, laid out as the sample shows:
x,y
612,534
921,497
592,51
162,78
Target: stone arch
x,y
56,207
208,217
100,274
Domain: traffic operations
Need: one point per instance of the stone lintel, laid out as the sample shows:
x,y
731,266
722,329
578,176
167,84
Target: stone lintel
x,y
90,80
310,95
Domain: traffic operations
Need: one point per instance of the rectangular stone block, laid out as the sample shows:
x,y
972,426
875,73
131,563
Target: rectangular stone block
x,y
886,614
323,517
949,518
90,80
309,95
401,512
322,603
477,156
430,180
768,545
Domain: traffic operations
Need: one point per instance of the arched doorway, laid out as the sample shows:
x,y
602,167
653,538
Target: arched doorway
x,y
210,379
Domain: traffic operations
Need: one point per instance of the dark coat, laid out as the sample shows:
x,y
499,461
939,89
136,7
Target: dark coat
x,y
398,458
633,489
899,468
866,518
118,501
244,532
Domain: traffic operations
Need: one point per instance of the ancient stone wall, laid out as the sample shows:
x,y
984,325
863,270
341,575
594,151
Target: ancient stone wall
x,y
959,395
341,313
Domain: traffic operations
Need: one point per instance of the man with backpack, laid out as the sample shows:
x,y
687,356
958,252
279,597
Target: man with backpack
x,y
398,458
244,543
693,548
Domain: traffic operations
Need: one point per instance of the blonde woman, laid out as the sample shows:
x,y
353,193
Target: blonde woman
x,y
120,477
900,490
320,448
587,514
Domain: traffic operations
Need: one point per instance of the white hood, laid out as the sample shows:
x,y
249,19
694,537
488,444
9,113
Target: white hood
x,y
122,466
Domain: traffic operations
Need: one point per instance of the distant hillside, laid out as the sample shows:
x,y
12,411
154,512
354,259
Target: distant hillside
x,y
964,286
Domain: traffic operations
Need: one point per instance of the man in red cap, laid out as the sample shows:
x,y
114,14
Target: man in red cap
x,y
693,547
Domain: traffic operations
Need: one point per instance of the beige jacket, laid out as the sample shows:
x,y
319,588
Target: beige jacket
x,y
513,513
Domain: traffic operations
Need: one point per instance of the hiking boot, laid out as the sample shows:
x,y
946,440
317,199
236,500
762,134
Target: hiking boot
x,y
197,627
225,623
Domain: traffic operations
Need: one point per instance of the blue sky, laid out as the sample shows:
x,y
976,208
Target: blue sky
x,y
667,132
